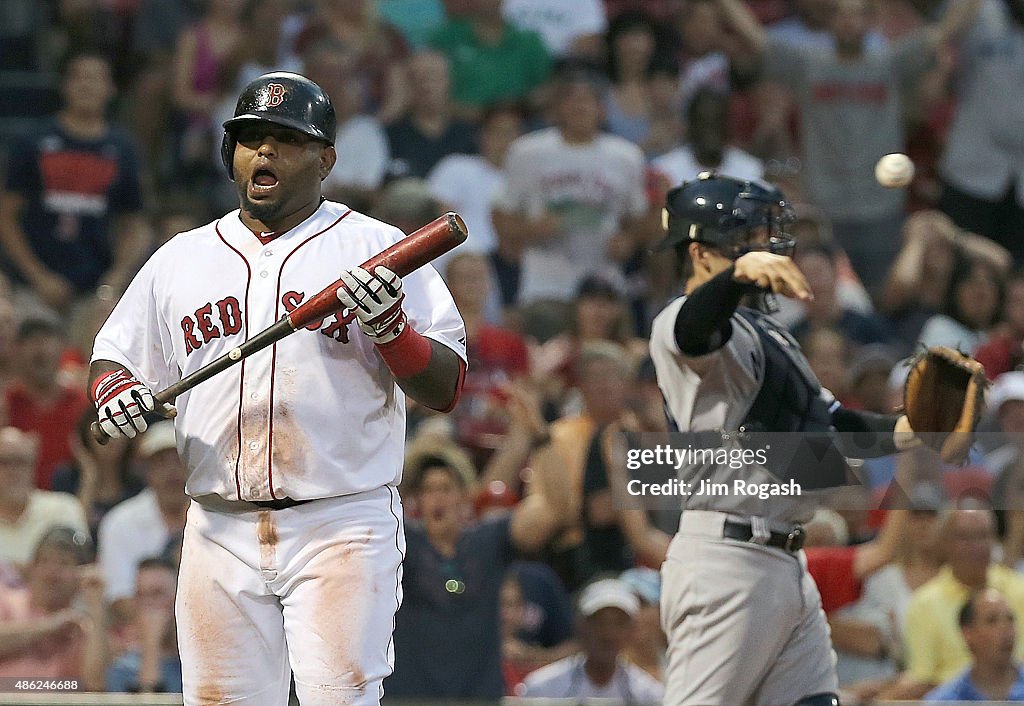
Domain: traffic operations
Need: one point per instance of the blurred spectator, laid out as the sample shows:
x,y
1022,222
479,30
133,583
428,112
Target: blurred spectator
x,y
572,194
633,45
1004,349
648,647
1006,404
141,526
606,546
988,626
664,111
604,376
536,629
872,645
1008,504
427,131
851,114
568,27
810,26
971,307
206,58
361,141
407,204
453,573
380,49
497,358
40,400
415,19
660,10
647,541
601,313
269,19
27,513
607,609
468,183
817,263
708,149
812,228
492,60
936,651
54,626
869,372
100,475
72,209
8,336
155,31
828,353
707,53
983,167
153,666
919,278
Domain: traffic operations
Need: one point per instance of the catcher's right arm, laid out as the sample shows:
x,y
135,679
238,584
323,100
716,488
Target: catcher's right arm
x,y
944,397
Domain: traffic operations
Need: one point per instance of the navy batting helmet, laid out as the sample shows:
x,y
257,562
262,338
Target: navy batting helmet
x,y
285,99
720,210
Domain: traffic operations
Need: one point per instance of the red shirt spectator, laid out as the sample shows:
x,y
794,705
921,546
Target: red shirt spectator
x,y
38,401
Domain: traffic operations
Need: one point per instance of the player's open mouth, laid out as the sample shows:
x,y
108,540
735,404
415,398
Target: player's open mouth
x,y
263,181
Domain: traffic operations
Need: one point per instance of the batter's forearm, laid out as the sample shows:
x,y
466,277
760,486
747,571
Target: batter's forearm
x,y
439,385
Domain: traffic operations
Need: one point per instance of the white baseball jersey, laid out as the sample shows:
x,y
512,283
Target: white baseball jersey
x,y
316,415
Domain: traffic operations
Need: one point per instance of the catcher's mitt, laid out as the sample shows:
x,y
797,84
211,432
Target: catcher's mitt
x,y
944,398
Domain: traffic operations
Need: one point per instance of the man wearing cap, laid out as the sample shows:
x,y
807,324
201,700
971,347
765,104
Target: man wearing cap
x,y
1007,404
606,609
140,527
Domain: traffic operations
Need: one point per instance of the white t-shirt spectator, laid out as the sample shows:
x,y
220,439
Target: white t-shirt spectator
x,y
681,165
591,187
567,679
45,511
363,154
558,22
133,530
468,183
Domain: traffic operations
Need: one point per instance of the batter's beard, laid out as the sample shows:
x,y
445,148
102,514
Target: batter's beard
x,y
263,212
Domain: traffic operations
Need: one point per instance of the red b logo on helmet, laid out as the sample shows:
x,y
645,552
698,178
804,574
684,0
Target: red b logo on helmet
x,y
275,94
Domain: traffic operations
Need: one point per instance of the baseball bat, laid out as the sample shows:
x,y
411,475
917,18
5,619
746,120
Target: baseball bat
x,y
407,255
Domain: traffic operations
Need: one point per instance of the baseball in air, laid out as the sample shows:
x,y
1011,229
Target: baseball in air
x,y
235,353
894,171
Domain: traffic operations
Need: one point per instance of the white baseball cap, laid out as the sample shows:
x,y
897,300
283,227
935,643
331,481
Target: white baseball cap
x,y
1008,386
608,593
158,437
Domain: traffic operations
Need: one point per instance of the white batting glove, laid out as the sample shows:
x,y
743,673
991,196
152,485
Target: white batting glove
x,y
376,300
121,400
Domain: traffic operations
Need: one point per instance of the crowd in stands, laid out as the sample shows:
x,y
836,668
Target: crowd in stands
x,y
555,127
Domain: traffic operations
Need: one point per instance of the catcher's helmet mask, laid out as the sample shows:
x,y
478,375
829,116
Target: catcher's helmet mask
x,y
282,98
722,212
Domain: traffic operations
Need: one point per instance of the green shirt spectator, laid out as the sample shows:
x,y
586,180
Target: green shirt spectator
x,y
485,70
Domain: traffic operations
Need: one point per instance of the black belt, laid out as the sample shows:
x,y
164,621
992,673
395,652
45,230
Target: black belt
x,y
791,542
282,504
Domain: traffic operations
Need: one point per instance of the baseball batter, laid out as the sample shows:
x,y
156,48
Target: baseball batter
x,y
743,617
294,540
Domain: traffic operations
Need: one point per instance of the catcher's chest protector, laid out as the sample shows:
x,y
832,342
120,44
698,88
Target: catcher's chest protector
x,y
790,401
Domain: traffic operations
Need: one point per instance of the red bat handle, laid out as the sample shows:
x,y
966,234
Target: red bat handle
x,y
406,256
